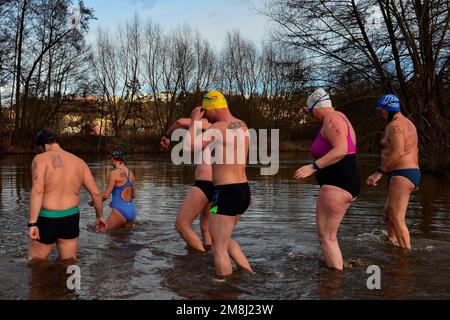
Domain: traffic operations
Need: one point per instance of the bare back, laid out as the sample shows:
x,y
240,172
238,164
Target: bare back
x,y
204,171
232,151
402,134
121,177
64,177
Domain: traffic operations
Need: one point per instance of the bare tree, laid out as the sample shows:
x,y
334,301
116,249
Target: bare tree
x,y
404,49
116,65
39,32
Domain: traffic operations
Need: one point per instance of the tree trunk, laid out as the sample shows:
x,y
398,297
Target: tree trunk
x,y
19,66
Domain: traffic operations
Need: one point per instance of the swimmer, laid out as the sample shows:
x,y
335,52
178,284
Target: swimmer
x,y
198,198
231,189
122,187
334,150
400,163
57,178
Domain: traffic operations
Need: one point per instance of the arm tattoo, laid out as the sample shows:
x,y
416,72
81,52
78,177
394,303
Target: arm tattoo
x,y
396,129
34,170
333,126
57,162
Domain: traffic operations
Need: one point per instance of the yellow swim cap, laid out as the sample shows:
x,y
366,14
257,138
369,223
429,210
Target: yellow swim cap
x,y
214,100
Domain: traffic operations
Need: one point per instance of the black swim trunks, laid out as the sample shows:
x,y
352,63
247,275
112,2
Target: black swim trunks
x,y
51,229
207,187
344,174
231,199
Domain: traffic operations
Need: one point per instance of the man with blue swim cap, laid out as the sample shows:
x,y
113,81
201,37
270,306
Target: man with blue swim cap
x,y
390,103
400,162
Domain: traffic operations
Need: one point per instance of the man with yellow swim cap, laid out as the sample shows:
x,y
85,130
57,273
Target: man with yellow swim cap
x,y
231,189
214,100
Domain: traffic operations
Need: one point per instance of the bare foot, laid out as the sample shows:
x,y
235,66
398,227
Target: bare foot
x,y
393,241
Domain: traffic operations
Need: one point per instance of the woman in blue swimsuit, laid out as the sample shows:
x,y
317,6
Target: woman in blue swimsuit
x,y
122,186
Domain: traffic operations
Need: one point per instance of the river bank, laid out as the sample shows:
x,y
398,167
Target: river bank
x,y
150,145
132,145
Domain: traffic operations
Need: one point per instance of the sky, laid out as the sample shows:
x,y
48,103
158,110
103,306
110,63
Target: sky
x,y
212,18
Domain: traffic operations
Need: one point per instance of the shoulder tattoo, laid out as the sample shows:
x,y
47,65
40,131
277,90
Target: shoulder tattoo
x,y
236,125
396,129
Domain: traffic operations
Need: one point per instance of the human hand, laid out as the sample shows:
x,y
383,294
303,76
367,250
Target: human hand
x,y
33,232
100,225
304,172
372,180
165,143
197,114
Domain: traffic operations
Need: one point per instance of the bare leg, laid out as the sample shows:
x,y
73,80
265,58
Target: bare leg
x,y
39,251
221,228
191,207
332,204
204,226
399,192
391,233
236,253
115,220
67,249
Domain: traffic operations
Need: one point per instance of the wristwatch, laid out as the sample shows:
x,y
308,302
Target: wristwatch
x,y
315,166
32,225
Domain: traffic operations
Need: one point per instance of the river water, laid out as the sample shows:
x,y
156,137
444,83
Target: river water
x,y
277,233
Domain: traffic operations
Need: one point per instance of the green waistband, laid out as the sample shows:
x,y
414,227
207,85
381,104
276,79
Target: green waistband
x,y
59,213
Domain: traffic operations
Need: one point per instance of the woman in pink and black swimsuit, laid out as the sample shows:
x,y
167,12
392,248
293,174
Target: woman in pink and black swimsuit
x,y
336,172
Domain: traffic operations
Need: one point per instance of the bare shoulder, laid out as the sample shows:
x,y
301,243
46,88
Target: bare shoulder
x,y
131,175
113,173
410,126
395,127
236,124
40,158
206,124
74,158
333,123
218,126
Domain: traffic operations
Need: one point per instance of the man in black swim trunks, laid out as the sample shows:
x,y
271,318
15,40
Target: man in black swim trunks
x,y
54,205
198,198
231,190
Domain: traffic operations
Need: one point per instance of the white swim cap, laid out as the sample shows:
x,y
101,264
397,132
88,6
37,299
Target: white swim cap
x,y
319,99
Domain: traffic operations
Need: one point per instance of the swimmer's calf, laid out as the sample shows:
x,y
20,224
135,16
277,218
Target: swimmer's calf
x,y
186,310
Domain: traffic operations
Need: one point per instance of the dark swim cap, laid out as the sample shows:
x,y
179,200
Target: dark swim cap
x,y
117,154
44,137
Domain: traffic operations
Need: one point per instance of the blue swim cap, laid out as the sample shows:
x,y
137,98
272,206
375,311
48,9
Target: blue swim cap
x,y
389,102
